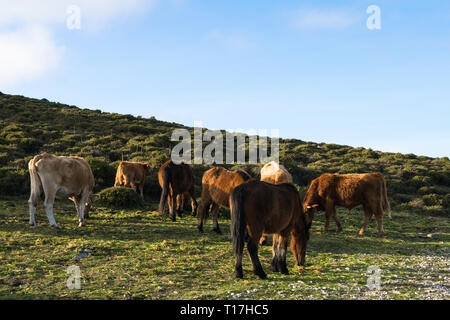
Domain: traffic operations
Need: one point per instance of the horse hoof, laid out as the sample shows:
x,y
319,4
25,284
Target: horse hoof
x,y
54,226
262,276
217,230
33,226
200,229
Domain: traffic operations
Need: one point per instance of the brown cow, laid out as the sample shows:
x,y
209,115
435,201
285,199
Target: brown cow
x,y
274,173
131,173
69,177
348,191
176,181
217,184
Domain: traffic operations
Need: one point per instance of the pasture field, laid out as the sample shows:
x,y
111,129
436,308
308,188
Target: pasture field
x,y
137,254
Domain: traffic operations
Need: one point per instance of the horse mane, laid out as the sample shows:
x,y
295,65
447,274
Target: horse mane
x,y
244,175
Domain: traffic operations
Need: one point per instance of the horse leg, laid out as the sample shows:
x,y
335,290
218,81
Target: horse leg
x,y
171,200
263,240
215,214
203,211
252,247
367,216
275,253
282,249
194,204
180,204
327,221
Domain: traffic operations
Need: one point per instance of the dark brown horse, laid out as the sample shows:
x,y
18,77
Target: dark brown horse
x,y
217,184
260,207
176,181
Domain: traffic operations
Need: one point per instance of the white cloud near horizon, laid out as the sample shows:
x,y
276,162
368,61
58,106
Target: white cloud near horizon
x,y
324,19
28,49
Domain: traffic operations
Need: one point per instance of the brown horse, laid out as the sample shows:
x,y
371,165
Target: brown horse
x,y
260,207
217,184
176,181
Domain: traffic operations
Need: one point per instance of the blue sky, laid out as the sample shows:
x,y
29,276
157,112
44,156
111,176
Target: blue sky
x,y
311,69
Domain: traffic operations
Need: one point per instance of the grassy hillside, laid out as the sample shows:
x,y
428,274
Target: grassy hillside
x,y
31,126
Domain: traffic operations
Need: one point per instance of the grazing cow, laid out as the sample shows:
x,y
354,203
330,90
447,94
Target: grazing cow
x,y
176,181
274,173
217,184
349,191
131,173
69,177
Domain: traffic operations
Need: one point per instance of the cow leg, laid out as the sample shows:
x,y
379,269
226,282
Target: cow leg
x,y
48,204
367,216
32,203
252,247
379,217
141,190
327,221
215,215
336,219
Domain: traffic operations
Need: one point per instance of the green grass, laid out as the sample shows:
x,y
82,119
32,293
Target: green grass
x,y
136,254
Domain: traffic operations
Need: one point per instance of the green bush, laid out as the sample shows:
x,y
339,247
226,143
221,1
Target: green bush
x,y
432,199
119,197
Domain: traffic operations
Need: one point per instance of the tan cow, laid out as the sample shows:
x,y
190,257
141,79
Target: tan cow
x,y
274,173
129,174
68,177
348,191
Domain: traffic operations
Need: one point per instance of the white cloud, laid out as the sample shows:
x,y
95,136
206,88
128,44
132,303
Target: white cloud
x,y
324,19
235,41
26,54
28,49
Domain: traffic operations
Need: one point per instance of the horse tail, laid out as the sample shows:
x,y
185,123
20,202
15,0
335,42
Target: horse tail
x,y
387,206
167,179
238,224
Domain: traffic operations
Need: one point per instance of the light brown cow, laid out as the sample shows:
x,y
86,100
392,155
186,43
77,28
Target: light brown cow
x,y
69,177
274,173
129,174
348,191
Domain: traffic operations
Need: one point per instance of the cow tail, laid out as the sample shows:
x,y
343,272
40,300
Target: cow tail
x,y
35,180
238,224
387,206
167,178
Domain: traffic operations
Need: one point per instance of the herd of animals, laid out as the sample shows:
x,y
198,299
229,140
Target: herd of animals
x,y
269,206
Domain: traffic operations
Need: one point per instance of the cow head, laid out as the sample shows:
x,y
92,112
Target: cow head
x,y
310,210
92,198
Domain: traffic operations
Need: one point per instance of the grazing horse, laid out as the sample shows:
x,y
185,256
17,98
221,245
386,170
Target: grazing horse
x,y
274,173
217,184
259,207
176,180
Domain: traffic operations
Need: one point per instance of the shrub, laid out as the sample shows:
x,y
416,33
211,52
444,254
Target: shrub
x,y
120,197
431,199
